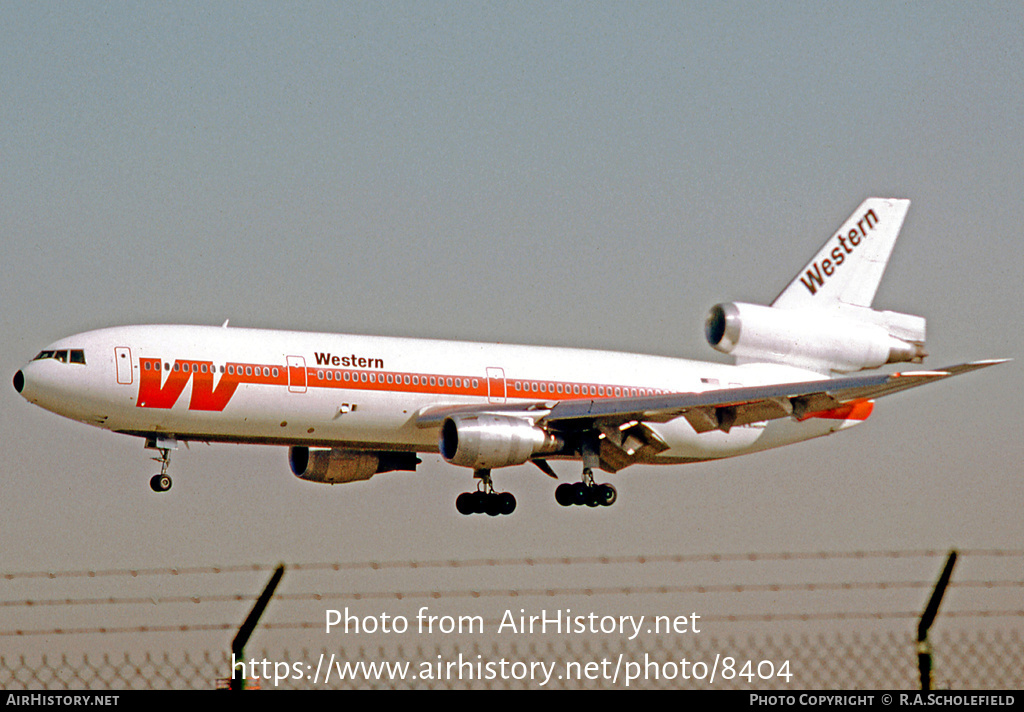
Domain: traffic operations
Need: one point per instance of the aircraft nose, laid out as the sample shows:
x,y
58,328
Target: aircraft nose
x,y
19,381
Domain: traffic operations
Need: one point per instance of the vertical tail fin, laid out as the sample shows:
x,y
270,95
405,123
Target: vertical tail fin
x,y
849,267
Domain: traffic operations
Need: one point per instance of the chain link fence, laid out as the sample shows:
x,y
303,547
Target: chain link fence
x,y
877,660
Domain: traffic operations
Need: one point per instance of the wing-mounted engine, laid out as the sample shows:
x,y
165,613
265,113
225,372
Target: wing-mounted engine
x,y
484,441
842,339
335,465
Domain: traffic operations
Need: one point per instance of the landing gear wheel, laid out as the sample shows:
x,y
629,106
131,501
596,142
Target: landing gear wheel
x,y
564,494
479,502
160,483
579,493
465,503
485,500
606,495
506,503
492,505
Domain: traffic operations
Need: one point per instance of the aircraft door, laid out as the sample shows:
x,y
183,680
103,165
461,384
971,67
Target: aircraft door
x,y
123,364
495,385
296,374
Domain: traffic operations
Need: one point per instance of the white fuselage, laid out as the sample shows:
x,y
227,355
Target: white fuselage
x,y
365,392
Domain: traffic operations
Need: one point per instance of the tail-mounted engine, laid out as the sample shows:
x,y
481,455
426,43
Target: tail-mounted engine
x,y
335,465
486,441
843,339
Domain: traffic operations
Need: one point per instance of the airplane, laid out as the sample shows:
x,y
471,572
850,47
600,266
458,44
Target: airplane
x,y
350,407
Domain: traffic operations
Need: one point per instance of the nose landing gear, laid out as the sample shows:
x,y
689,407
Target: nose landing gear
x,y
162,482
162,444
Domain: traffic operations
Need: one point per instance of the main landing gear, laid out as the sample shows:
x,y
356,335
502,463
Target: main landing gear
x,y
586,492
485,500
162,482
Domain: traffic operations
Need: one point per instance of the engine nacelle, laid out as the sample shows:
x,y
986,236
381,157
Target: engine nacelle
x,y
335,465
488,441
843,340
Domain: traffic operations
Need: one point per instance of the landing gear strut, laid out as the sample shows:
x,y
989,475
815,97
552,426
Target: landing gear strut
x,y
485,500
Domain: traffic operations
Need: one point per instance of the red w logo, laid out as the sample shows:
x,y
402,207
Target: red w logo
x,y
154,394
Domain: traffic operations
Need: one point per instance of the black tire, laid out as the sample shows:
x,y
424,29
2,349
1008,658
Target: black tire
x,y
579,493
464,503
506,502
607,495
160,483
564,494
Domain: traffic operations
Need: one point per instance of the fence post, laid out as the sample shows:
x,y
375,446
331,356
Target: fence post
x,y
924,648
238,644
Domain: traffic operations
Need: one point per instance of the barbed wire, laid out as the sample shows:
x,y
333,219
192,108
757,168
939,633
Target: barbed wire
x,y
319,625
511,593
544,591
504,562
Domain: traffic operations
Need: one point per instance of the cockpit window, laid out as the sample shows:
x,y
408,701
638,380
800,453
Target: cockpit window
x,y
64,356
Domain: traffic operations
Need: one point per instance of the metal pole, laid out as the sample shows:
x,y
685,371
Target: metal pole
x,y
924,648
238,644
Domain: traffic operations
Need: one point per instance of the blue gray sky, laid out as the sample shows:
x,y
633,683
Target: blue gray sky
x,y
583,174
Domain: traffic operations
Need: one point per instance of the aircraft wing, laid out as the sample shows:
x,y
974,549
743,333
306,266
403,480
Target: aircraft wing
x,y
725,408
720,409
